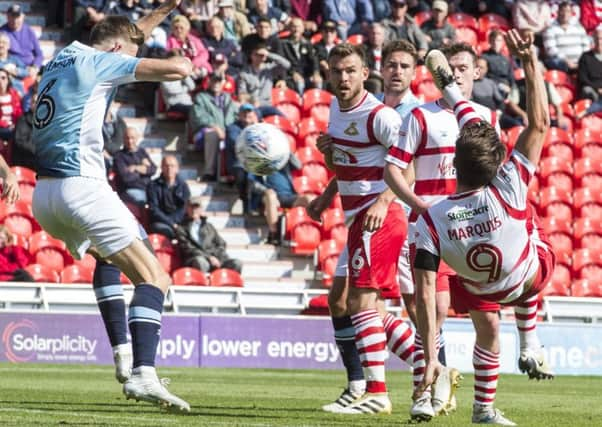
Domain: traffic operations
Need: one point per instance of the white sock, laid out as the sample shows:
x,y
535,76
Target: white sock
x,y
357,386
122,348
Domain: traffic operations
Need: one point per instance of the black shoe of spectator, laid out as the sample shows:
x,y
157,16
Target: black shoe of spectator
x,y
273,239
208,178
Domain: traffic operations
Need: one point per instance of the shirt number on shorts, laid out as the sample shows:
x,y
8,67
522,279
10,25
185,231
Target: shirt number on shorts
x,y
485,258
44,107
357,261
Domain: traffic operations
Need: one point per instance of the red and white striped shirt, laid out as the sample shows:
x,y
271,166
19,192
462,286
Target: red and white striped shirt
x,y
361,137
488,235
428,136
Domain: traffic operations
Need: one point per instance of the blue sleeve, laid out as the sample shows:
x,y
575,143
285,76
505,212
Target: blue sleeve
x,y
115,68
365,12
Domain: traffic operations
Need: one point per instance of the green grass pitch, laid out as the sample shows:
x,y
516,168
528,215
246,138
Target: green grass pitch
x,y
52,395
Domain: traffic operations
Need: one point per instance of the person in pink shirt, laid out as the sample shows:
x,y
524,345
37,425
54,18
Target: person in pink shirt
x,y
192,46
10,106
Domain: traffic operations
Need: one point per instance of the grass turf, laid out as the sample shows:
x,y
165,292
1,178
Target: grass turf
x,y
74,395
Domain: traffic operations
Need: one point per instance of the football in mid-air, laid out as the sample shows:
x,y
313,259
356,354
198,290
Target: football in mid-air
x,y
262,149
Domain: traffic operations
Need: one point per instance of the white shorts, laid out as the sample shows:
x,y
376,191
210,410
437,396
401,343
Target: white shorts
x,y
342,264
404,270
84,212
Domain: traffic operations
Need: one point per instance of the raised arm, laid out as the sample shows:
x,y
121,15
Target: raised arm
x,y
531,140
148,23
159,70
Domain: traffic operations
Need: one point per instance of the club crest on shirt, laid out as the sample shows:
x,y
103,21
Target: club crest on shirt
x,y
341,157
352,129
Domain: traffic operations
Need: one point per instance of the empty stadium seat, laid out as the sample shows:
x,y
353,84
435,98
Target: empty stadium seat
x,y
42,273
302,232
76,274
24,175
317,173
562,246
513,134
307,185
188,276
587,233
467,35
225,277
421,17
356,39
328,255
309,126
492,21
588,142
288,102
169,261
282,123
556,202
124,279
588,203
313,98
310,154
563,83
556,172
18,218
318,306
88,261
586,288
586,257
558,143
428,91
161,243
460,19
49,251
588,173
592,122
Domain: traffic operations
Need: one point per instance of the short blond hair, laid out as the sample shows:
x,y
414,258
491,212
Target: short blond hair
x,y
180,19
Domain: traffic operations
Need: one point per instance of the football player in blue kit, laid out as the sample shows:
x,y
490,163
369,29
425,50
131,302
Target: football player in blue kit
x,y
74,202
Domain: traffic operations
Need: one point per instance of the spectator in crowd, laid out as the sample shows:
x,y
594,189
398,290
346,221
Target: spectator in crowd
x,y
417,6
590,69
211,112
86,13
23,41
402,26
216,43
516,105
328,29
176,93
23,151
198,12
13,259
236,24
167,197
309,11
256,81
564,42
129,8
499,67
534,15
374,47
486,91
590,14
481,7
10,106
220,66
263,34
437,30
13,64
200,244
247,116
191,46
351,16
276,191
304,70
283,5
381,9
278,18
133,168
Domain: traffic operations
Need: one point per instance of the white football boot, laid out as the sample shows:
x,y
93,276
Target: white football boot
x,y
444,390
369,403
345,399
145,385
122,356
437,64
422,408
482,414
533,363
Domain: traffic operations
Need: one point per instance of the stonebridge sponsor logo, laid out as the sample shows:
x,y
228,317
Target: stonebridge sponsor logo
x,y
24,342
467,214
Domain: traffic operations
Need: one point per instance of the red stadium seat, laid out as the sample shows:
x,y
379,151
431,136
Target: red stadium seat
x,y
428,91
76,274
21,241
552,225
587,233
302,232
561,276
88,262
161,109
513,134
556,172
467,35
124,279
311,126
292,112
318,306
317,174
492,21
356,39
422,75
586,288
49,251
188,276
557,136
562,245
307,155
421,17
282,123
161,243
556,202
588,170
588,203
18,218
286,96
584,258
226,277
591,122
533,194
42,273
328,255
24,175
315,97
331,218
169,261
460,19
308,185
585,137
563,83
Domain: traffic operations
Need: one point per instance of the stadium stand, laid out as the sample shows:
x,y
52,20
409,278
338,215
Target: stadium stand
x,y
567,192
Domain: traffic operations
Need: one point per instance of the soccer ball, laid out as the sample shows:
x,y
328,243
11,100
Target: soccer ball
x,y
262,149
